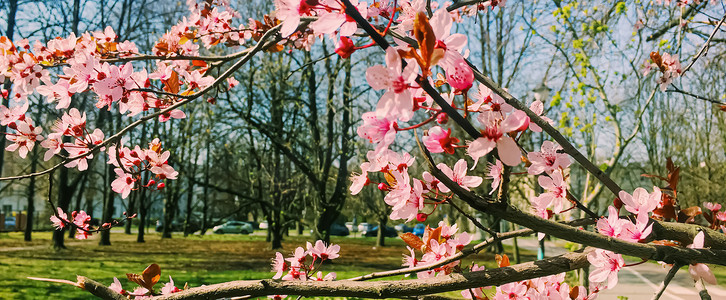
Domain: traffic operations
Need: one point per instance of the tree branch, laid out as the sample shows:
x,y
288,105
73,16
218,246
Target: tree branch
x,y
381,289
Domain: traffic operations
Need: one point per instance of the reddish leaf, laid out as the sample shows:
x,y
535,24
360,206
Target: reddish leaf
x,y
502,260
665,243
412,240
431,234
171,85
688,215
148,278
426,38
667,208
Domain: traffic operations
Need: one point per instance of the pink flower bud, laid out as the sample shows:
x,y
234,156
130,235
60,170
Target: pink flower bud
x,y
151,182
160,186
383,187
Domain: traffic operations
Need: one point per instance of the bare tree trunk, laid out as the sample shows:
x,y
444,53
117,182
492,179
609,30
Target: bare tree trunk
x,y
31,198
142,215
108,207
381,235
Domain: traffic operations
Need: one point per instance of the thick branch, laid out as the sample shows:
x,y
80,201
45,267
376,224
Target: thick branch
x,y
383,289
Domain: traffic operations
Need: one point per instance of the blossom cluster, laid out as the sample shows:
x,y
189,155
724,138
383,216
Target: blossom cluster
x,y
437,245
300,267
549,287
80,220
142,292
132,163
668,65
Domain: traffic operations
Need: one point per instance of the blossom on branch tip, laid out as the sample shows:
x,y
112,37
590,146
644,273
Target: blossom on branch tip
x,y
59,222
323,252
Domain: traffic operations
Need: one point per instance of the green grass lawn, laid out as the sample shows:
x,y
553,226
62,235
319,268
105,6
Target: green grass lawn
x,y
195,259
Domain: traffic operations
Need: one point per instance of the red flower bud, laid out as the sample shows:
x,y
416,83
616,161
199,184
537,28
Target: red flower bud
x,y
383,187
160,186
442,118
421,217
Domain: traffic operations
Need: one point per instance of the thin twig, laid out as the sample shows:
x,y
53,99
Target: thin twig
x,y
675,89
705,46
667,280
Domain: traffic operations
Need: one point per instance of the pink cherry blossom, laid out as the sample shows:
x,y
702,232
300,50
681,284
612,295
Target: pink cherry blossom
x,y
612,225
330,21
169,287
279,265
494,172
714,207
459,75
159,164
410,260
123,184
439,140
116,286
290,11
57,92
298,257
607,264
511,291
405,199
700,271
495,137
397,101
360,180
641,200
538,108
556,193
323,252
636,232
25,138
60,221
452,44
548,159
378,130
458,175
9,115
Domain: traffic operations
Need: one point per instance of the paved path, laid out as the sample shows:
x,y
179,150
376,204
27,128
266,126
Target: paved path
x,y
638,282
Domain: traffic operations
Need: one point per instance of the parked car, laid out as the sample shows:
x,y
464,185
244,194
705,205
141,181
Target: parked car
x,y
9,223
351,227
403,228
388,232
364,227
177,226
419,229
339,230
234,227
